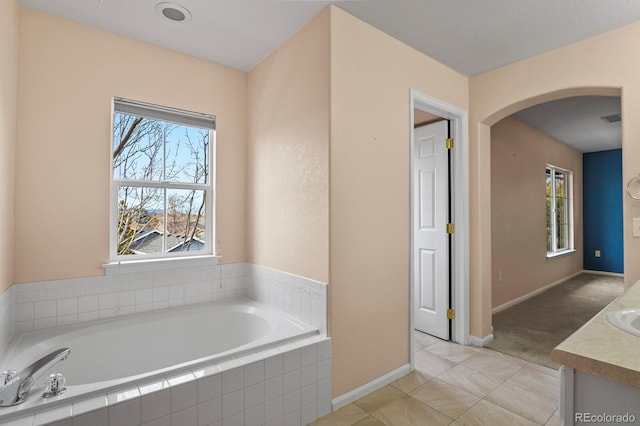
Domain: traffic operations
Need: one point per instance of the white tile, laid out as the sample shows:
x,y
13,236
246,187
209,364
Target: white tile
x,y
324,407
308,375
176,291
155,405
66,319
122,395
308,414
273,409
160,304
22,326
125,413
308,394
93,418
24,312
44,309
210,411
165,421
209,387
88,316
254,416
89,405
67,306
187,417
144,296
323,350
144,307
232,380
107,301
44,323
108,313
87,303
292,401
160,294
274,388
291,381
232,403
273,366
253,373
324,388
276,422
323,369
54,415
292,419
308,355
183,396
254,395
291,360
127,298
236,420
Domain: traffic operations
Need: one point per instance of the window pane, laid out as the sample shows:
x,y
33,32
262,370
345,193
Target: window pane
x,y
137,148
187,154
549,210
185,221
140,218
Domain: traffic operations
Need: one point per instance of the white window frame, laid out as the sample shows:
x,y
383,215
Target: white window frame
x,y
555,251
180,117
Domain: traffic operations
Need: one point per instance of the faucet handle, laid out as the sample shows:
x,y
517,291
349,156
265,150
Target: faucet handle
x,y
55,385
6,376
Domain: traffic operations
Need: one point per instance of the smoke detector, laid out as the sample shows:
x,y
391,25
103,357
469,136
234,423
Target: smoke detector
x,y
173,12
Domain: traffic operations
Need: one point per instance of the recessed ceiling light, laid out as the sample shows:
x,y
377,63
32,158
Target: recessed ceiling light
x,y
173,11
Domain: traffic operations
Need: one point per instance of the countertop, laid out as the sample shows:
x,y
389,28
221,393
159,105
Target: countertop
x,y
603,350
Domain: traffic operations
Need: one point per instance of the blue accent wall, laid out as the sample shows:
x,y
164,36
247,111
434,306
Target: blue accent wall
x,y
602,186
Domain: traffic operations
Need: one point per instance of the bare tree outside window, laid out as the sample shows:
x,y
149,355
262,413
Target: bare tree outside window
x,y
161,170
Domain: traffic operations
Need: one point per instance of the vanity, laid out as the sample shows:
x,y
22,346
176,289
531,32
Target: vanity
x,y
600,373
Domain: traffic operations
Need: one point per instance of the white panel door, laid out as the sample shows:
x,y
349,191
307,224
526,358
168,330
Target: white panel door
x,y
430,239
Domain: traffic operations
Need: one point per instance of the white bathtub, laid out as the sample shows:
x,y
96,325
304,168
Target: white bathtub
x,y
109,355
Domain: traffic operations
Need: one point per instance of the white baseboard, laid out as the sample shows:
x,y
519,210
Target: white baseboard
x,y
480,341
533,293
608,274
367,388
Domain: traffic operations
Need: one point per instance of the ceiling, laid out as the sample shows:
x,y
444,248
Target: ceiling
x,y
578,121
470,36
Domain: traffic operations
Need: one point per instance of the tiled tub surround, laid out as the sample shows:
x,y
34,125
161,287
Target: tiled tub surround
x,y
300,297
7,317
288,384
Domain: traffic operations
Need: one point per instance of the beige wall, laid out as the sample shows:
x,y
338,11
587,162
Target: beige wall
x,y
371,76
605,61
288,155
519,154
8,99
68,76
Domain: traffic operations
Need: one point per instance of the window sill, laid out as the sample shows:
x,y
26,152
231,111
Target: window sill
x,y
147,265
558,254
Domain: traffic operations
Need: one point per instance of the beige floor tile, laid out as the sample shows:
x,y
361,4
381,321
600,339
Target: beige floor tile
x,y
408,411
423,340
379,398
499,367
445,398
346,416
536,381
543,369
411,381
500,355
431,364
369,421
451,351
554,420
485,413
523,402
470,380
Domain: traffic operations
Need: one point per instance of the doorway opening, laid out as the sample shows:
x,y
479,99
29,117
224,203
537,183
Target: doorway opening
x,y
430,111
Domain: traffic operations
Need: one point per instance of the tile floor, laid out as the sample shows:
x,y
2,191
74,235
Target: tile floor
x,y
458,385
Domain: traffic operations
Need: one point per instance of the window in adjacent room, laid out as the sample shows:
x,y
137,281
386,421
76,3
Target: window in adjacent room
x,y
162,183
559,185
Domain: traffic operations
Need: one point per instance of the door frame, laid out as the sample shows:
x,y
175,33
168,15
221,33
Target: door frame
x,y
460,214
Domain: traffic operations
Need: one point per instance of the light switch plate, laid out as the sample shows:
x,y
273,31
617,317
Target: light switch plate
x,y
636,227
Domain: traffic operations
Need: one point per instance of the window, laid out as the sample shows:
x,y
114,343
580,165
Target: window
x,y
559,183
162,185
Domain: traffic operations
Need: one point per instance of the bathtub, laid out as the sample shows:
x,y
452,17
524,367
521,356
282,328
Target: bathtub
x,y
119,361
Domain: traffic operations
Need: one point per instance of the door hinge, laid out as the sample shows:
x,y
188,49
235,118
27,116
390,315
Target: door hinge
x,y
451,314
451,228
449,143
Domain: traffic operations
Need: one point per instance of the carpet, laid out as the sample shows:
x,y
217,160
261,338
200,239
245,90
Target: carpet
x,y
532,328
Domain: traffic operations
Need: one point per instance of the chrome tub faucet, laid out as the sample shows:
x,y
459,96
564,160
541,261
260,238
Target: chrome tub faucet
x,y
14,386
